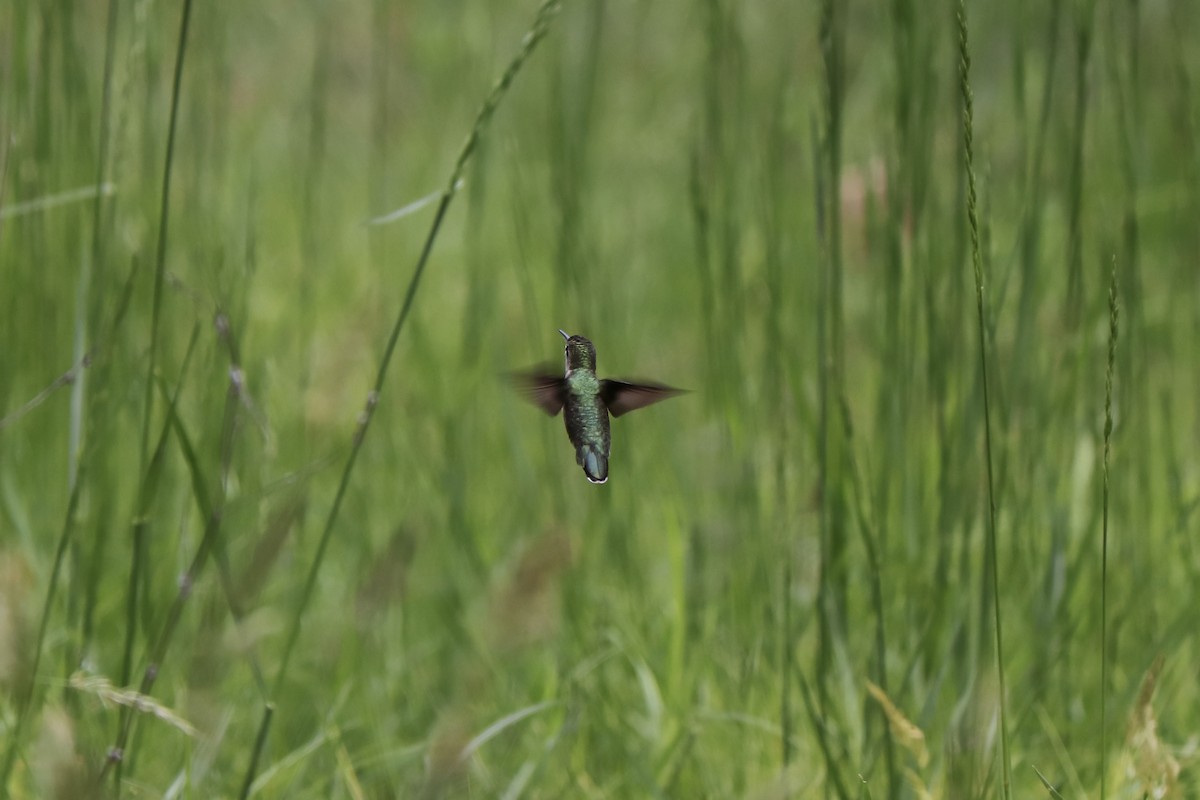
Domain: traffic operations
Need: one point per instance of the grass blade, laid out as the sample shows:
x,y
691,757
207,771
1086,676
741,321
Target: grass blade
x,y
977,262
1113,313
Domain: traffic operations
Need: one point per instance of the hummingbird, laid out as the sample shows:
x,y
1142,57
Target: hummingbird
x,y
587,402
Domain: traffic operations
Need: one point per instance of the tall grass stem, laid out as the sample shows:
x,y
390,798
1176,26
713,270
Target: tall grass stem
x,y
977,262
138,544
1113,313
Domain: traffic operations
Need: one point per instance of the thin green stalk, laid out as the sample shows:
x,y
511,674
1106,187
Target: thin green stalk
x,y
4,140
234,396
774,368
1083,45
97,403
1113,312
536,32
26,703
1032,218
105,137
260,741
715,199
137,557
138,554
872,549
87,321
314,175
817,720
833,44
164,219
701,218
788,659
823,395
572,104
146,493
1124,78
832,589
86,276
211,510
99,400
977,263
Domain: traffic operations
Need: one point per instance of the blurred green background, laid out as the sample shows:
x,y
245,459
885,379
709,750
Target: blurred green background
x,y
762,202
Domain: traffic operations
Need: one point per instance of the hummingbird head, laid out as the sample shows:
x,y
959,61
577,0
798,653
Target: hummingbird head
x,y
579,352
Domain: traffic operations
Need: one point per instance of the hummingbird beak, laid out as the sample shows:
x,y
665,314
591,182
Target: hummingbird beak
x,y
565,335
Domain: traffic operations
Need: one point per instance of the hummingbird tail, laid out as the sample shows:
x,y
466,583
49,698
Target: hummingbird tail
x,y
594,463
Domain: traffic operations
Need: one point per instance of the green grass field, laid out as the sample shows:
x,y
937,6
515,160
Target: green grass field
x,y
883,548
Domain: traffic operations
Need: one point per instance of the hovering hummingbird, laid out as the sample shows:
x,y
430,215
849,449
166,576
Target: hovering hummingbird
x,y
588,402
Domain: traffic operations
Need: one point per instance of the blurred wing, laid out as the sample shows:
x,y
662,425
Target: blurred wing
x,y
622,397
546,391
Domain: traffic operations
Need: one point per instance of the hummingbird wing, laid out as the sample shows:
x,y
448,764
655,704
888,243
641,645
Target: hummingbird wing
x,y
545,390
622,397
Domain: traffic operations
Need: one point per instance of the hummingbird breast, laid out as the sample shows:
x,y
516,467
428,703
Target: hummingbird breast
x,y
586,419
